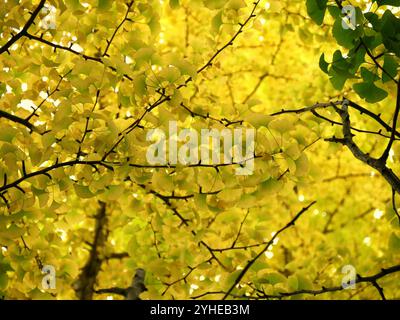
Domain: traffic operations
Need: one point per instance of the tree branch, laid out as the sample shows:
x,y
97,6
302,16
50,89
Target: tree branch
x,y
129,5
45,171
24,30
13,118
133,291
385,154
377,164
230,42
252,261
84,286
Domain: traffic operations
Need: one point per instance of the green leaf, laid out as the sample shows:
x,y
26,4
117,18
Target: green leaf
x,y
114,192
3,88
236,4
316,10
370,92
174,4
344,37
373,18
390,65
257,119
73,4
230,280
373,41
104,4
341,65
293,283
340,70
304,283
186,68
270,277
3,281
323,64
368,75
302,165
270,186
280,125
139,85
214,4
357,58
201,201
394,242
7,133
388,3
391,32
83,191
216,22
337,80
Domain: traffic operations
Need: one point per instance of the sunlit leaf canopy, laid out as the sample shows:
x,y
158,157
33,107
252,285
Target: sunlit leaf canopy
x,y
81,82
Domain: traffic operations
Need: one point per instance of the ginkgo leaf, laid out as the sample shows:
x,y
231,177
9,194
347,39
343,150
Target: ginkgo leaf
x,y
316,10
7,133
83,191
370,92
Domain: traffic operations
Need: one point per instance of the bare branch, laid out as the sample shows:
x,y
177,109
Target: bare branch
x,y
385,154
252,261
230,42
24,30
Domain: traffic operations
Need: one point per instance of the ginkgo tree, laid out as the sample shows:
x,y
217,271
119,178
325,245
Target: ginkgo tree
x,y
83,82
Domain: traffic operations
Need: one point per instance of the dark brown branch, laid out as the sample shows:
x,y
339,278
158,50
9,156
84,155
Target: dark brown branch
x,y
86,130
183,278
24,30
385,154
306,109
185,222
57,46
45,171
84,286
347,140
379,133
347,176
135,124
252,261
230,42
223,121
374,59
372,280
69,49
113,290
362,110
129,5
394,204
133,291
19,120
117,256
196,165
240,229
373,116
265,74
359,279
48,96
